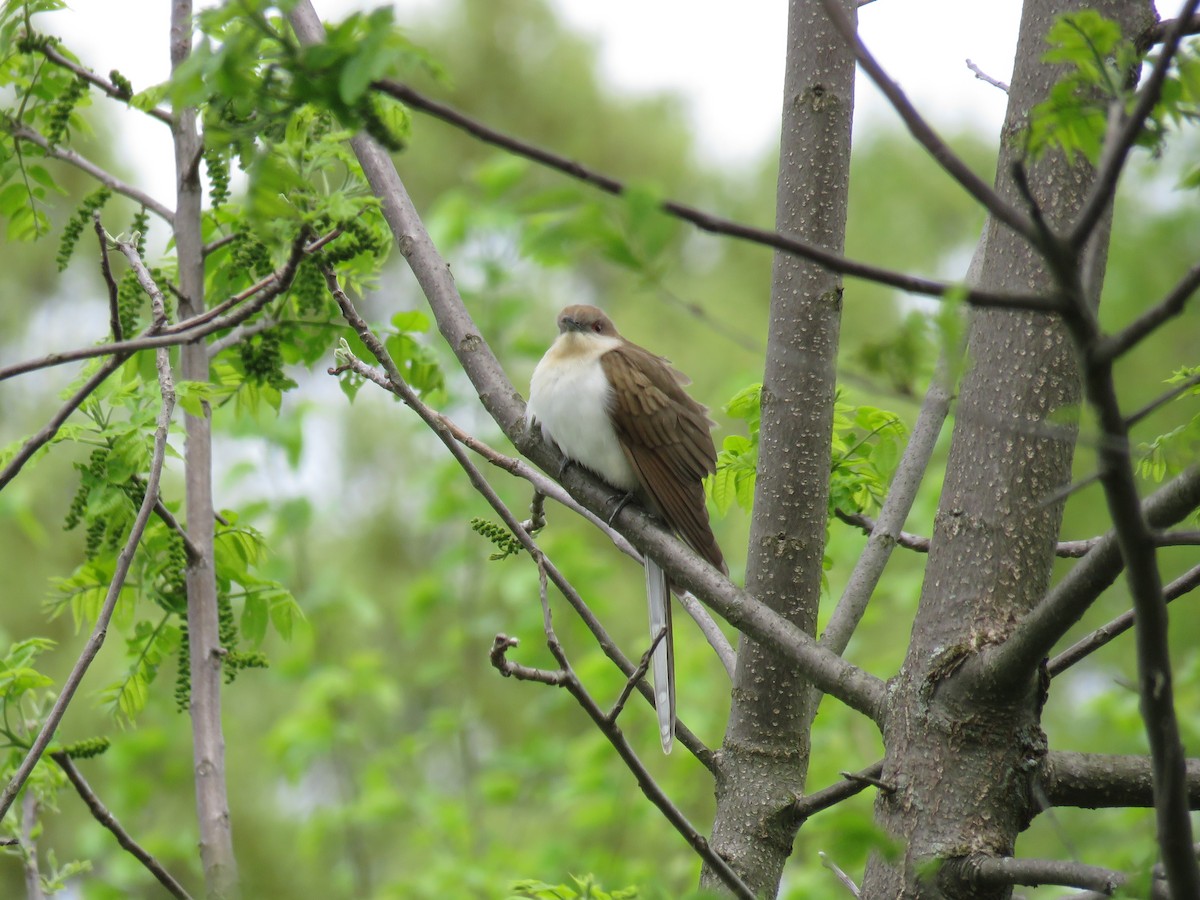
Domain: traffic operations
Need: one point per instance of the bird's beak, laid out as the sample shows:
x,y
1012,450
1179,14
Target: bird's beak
x,y
566,323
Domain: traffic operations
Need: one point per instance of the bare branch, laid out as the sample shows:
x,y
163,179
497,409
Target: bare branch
x,y
1166,309
920,544
811,804
1062,607
1103,781
114,312
103,84
1122,623
924,133
846,682
706,221
638,674
984,76
981,872
1162,400
845,879
886,533
102,815
566,677
47,433
69,156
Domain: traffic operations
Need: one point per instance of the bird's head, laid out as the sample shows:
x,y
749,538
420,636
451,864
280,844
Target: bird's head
x,y
585,319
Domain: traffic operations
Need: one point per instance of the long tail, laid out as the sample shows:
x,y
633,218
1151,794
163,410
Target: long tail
x,y
662,663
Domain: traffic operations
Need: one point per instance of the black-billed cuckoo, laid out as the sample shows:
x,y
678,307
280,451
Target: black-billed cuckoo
x,y
621,411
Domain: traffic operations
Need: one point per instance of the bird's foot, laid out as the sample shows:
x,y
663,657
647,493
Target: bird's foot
x,y
621,503
562,468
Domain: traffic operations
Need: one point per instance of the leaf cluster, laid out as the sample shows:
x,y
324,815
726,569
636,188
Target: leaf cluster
x,y
1102,67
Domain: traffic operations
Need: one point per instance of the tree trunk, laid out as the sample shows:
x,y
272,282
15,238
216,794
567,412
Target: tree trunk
x,y
208,742
763,761
962,756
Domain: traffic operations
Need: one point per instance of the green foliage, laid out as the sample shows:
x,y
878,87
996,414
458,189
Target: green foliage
x,y
737,460
415,360
1172,452
867,443
1101,68
584,888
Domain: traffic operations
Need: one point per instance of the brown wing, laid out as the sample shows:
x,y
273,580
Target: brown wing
x,y
665,435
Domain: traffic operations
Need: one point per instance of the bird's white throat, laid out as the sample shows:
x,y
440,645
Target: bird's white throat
x,y
569,396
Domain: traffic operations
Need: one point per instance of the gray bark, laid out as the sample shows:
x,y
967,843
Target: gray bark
x,y
763,761
208,742
972,749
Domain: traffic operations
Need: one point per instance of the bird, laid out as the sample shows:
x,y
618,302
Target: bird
x,y
621,412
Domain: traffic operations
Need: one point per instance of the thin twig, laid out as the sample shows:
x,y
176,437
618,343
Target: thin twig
x,y
984,76
616,737
105,85
920,544
811,804
833,867
1089,644
1162,400
102,815
47,433
706,221
114,310
70,157
1163,311
924,133
638,674
190,329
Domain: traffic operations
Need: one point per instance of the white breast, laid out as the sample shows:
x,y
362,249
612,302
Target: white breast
x,y
569,397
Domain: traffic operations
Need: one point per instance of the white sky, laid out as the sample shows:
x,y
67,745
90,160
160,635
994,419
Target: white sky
x,y
728,66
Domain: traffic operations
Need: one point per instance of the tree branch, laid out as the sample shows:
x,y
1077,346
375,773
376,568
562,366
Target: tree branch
x,y
124,560
1062,607
706,221
811,804
846,682
441,427
102,815
1166,309
103,84
886,532
609,728
188,330
980,872
65,154
217,856
1104,781
1122,623
924,134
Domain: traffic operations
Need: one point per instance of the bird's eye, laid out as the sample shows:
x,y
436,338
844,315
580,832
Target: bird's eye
x,y
597,327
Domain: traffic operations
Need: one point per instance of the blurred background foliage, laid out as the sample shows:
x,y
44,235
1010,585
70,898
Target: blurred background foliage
x,y
380,755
